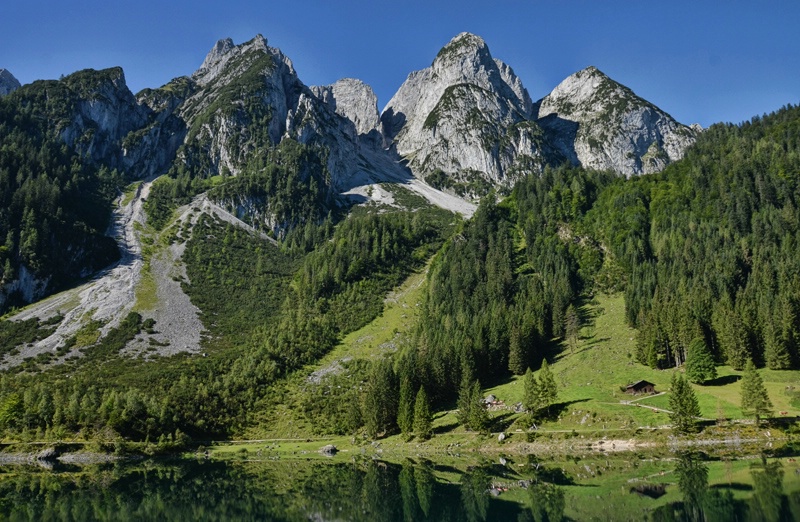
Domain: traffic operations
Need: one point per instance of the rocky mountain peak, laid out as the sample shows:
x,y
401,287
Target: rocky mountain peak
x,y
586,90
8,83
601,124
220,49
463,47
467,116
223,53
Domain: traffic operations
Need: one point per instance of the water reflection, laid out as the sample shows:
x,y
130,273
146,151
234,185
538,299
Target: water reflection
x,y
702,503
524,491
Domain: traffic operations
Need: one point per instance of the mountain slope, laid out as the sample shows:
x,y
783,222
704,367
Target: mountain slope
x,y
8,83
600,124
467,115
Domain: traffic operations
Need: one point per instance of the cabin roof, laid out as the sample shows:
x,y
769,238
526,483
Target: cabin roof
x,y
639,384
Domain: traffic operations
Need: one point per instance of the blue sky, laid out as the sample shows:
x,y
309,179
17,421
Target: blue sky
x,y
701,61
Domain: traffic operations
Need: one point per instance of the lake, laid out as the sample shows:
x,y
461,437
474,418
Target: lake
x,y
633,486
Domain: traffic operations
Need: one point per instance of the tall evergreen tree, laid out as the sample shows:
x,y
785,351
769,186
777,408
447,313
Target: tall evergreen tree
x,y
572,326
530,398
755,400
381,400
684,405
471,410
423,420
776,348
548,390
405,414
700,365
517,354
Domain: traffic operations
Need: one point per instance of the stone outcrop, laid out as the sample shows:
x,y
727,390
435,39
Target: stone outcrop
x,y
8,83
353,100
600,124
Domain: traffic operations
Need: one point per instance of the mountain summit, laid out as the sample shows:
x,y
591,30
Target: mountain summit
x,y
467,115
467,122
8,83
600,124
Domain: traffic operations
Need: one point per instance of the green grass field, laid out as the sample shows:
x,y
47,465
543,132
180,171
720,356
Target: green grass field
x,y
590,378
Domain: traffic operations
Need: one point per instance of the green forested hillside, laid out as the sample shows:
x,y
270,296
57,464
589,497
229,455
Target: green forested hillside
x,y
703,252
54,208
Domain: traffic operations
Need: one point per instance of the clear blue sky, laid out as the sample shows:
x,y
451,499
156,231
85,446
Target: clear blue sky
x,y
702,61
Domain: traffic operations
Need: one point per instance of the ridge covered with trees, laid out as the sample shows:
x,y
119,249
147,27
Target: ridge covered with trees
x,y
704,252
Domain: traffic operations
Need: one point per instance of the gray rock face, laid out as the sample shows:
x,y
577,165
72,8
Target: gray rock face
x,y
103,113
600,124
8,83
353,100
467,115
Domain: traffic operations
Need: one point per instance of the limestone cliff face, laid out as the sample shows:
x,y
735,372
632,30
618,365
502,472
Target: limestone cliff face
x,y
598,123
354,100
466,115
8,83
249,97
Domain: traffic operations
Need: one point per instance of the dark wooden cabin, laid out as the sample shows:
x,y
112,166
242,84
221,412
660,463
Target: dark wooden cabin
x,y
640,387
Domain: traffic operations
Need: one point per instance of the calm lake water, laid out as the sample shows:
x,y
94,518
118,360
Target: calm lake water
x,y
591,487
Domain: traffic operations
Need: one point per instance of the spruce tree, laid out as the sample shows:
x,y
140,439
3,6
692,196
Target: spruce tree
x,y
755,400
517,356
464,398
776,353
700,365
572,326
684,405
381,399
471,411
478,416
548,391
423,421
405,414
531,395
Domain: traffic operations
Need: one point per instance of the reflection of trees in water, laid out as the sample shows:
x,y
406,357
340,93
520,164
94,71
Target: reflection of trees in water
x,y
357,491
546,502
363,491
474,488
768,502
702,503
693,483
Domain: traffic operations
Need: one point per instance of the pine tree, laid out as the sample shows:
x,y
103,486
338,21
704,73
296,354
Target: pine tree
x,y
517,358
531,395
732,335
776,353
423,421
755,400
471,410
572,326
478,416
548,391
381,400
464,398
405,414
684,405
700,365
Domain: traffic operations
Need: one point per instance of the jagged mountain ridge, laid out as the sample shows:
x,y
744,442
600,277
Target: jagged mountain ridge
x,y
466,123
469,114
466,115
600,124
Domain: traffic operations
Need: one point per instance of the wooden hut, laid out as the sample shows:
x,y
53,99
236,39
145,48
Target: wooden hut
x,y
640,387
